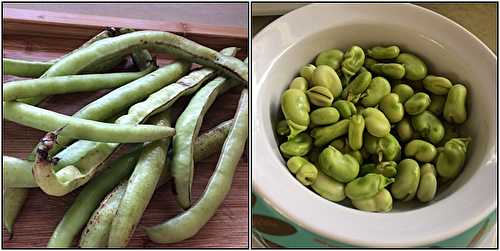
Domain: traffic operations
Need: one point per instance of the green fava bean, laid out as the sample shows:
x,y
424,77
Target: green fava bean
x,y
332,58
388,148
405,130
345,108
392,108
370,64
404,92
428,126
381,202
451,158
307,72
341,167
354,58
282,128
307,174
407,180
367,186
437,85
295,107
454,108
428,183
417,103
391,70
376,123
328,188
297,146
326,76
339,144
378,88
379,52
320,96
386,168
295,163
299,83
423,151
355,132
437,104
324,116
415,68
357,155
323,135
358,85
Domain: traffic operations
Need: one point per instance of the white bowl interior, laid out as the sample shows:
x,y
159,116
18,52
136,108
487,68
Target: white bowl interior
x,y
446,53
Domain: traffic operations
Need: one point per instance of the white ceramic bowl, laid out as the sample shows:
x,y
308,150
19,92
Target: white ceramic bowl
x,y
295,39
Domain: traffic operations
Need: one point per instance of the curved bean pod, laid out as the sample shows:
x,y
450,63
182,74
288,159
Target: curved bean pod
x,y
156,41
96,232
140,187
190,222
17,172
13,202
24,68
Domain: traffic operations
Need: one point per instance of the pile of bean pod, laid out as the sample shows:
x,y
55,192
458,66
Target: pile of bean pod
x,y
372,126
138,109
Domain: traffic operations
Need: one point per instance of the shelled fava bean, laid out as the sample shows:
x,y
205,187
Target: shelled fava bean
x,y
372,126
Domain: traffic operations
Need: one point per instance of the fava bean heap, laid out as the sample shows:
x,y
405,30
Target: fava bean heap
x,y
372,126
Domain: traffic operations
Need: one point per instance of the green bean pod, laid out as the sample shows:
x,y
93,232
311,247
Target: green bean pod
x,y
190,222
341,167
68,84
140,187
187,127
89,198
72,127
454,108
17,173
96,233
323,135
428,183
13,201
152,40
355,132
24,68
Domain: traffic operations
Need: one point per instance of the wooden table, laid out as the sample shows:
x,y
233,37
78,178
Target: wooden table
x,y
42,35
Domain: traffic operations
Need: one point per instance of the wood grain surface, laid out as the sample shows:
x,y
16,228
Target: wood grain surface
x,y
41,213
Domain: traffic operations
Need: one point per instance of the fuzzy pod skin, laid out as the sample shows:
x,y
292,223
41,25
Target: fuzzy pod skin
x,y
89,198
191,221
158,41
187,127
24,68
13,201
17,173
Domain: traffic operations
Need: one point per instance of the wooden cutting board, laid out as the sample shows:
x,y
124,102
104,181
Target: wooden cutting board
x,y
42,35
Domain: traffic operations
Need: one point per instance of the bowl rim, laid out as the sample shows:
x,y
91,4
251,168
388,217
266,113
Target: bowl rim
x,y
278,204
